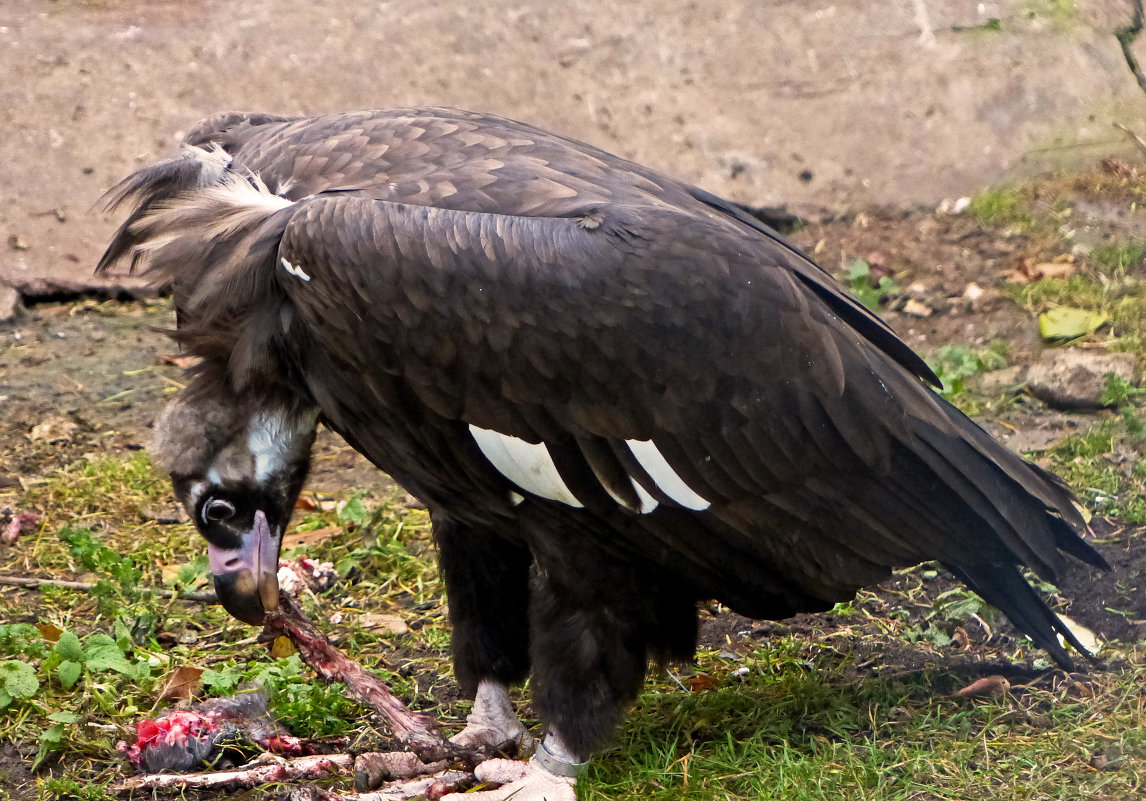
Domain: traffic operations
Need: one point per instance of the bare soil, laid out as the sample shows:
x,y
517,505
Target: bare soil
x,y
89,375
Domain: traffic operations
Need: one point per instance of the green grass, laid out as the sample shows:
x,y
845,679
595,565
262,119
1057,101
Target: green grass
x,y
1117,258
1121,299
1106,467
818,732
1002,207
830,714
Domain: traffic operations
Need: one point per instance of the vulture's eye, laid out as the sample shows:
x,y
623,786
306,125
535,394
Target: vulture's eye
x,y
216,510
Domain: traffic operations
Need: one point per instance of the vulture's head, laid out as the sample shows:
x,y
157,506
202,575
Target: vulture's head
x,y
238,474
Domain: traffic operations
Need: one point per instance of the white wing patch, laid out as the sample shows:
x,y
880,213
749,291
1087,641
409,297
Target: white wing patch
x,y
662,474
531,468
527,465
295,271
648,502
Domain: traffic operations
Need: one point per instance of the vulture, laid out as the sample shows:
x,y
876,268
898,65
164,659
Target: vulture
x,y
617,394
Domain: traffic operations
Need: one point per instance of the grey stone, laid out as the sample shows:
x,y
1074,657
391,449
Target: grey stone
x,y
9,303
996,381
1075,379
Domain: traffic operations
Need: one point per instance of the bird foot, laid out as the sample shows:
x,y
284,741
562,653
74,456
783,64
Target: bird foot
x,y
518,781
493,725
506,737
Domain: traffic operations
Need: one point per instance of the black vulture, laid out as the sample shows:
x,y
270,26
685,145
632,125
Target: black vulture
x,y
618,395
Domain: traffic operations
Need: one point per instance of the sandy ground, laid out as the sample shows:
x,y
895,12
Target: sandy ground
x,y
848,107
810,104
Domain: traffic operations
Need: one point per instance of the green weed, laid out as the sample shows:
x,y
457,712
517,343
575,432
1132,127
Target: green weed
x,y
865,289
1115,259
954,364
1002,207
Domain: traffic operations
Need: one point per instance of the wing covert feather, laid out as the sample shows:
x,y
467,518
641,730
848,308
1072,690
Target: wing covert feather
x,y
640,327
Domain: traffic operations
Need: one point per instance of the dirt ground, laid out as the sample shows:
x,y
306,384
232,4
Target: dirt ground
x,y
87,376
814,105
861,116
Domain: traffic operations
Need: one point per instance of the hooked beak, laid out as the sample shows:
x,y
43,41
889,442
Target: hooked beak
x,y
246,578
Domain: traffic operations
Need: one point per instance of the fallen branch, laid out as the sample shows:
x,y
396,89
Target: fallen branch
x,y
35,583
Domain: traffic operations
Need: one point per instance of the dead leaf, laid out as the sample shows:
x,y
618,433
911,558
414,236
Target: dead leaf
x,y
182,684
297,538
49,632
986,686
282,647
384,624
961,638
701,683
1064,322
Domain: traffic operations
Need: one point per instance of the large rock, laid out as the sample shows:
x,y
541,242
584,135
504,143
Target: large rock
x,y
1076,379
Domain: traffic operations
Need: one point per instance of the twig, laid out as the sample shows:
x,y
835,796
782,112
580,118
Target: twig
x,y
35,583
267,768
1138,140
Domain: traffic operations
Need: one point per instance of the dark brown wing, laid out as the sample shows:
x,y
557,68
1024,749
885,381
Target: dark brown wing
x,y
649,323
458,160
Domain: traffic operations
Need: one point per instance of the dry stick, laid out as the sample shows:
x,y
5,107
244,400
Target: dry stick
x,y
35,583
1138,140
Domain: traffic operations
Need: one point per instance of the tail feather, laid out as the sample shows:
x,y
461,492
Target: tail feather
x,y
1005,588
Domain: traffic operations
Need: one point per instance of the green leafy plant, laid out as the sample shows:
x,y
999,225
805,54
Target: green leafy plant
x,y
954,364
98,653
17,680
862,287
